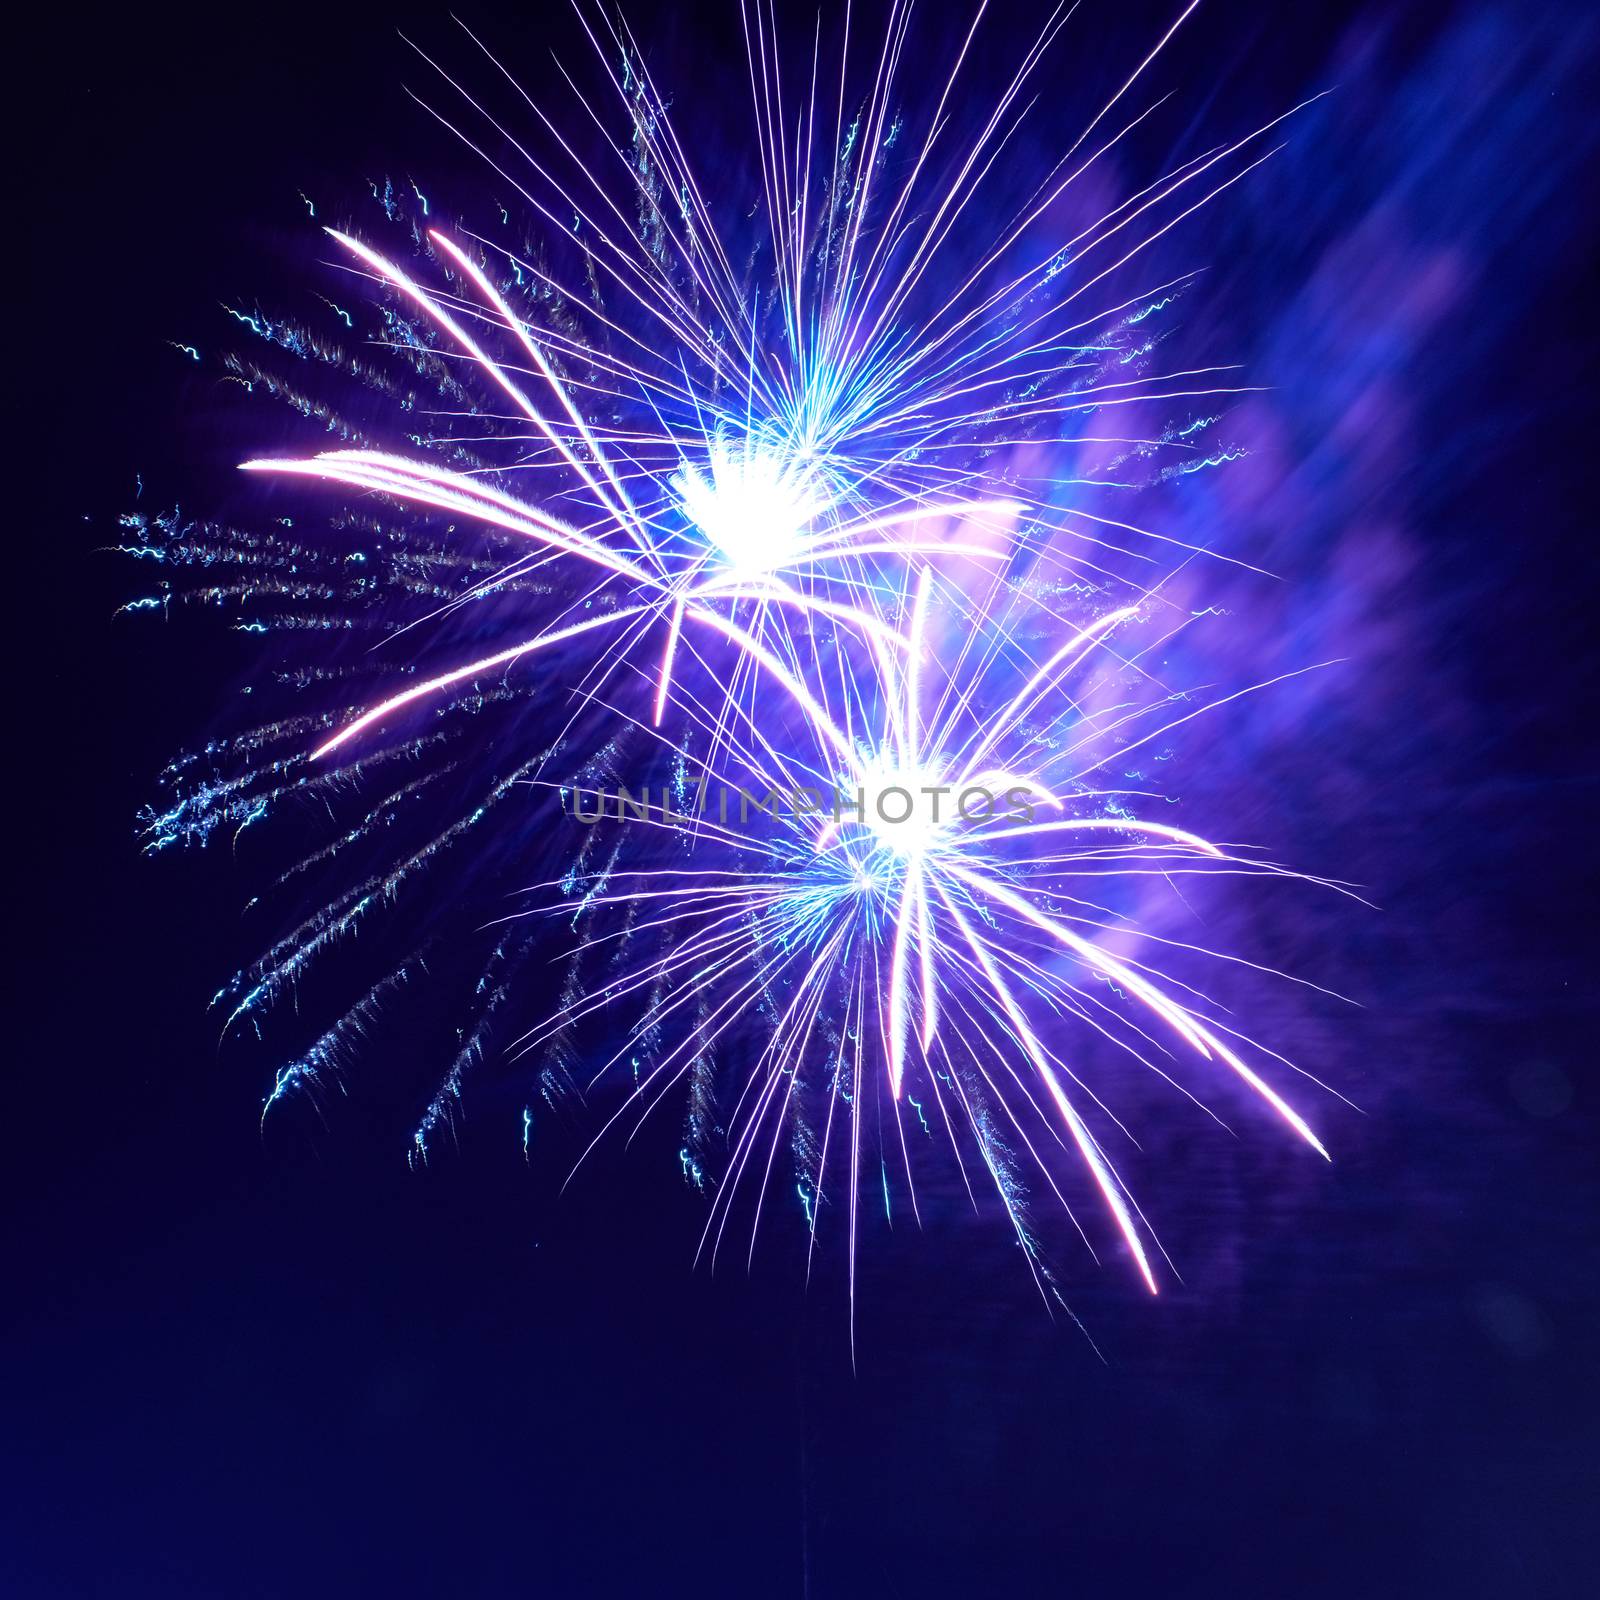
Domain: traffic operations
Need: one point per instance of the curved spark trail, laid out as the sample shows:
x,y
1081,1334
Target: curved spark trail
x,y
783,506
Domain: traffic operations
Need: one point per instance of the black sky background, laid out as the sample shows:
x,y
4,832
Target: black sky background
x,y
237,1366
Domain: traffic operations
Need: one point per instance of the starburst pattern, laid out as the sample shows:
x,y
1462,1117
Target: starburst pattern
x,y
780,507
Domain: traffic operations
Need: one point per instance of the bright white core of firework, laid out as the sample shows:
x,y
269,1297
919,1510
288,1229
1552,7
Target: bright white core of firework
x,y
907,807
754,505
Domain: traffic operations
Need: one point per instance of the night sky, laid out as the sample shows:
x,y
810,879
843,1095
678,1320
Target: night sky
x,y
245,1363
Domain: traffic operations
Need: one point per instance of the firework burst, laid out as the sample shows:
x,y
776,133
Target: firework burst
x,y
788,511
920,909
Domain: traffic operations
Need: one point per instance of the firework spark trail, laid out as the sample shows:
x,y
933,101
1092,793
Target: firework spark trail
x,y
780,524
